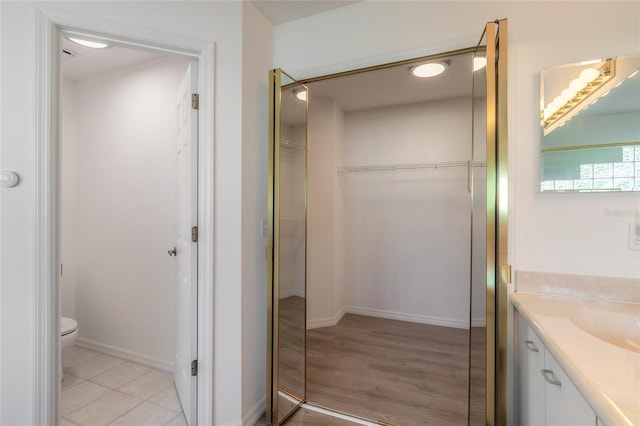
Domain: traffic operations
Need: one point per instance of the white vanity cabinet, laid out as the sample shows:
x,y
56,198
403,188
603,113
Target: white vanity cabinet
x,y
546,395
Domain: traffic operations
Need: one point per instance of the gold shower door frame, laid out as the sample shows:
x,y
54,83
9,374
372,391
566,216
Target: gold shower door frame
x,y
498,268
272,251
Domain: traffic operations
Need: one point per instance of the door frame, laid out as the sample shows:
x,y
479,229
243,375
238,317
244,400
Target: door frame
x,y
47,355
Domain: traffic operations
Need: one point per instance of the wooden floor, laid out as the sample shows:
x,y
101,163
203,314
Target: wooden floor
x,y
394,372
291,341
389,371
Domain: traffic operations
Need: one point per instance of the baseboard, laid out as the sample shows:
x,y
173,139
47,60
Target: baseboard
x,y
255,413
126,354
478,322
326,322
289,293
401,316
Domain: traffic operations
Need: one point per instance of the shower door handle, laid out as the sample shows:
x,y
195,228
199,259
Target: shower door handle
x,y
173,252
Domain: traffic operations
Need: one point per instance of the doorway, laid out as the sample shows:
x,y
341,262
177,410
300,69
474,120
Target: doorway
x,y
129,257
50,27
397,243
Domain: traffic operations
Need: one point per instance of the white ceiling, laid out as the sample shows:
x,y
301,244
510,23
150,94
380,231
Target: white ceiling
x,y
88,62
389,87
396,86
279,12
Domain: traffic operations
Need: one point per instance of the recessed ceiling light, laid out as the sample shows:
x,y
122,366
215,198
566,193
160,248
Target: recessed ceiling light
x,y
430,69
301,94
479,62
89,43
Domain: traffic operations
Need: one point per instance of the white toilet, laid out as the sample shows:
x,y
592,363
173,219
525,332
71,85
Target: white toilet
x,y
68,336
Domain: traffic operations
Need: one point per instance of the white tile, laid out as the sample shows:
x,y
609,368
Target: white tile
x,y
70,380
77,356
145,414
94,366
104,410
168,398
148,385
120,375
80,395
179,420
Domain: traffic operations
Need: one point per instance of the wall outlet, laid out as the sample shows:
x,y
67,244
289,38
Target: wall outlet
x,y
634,238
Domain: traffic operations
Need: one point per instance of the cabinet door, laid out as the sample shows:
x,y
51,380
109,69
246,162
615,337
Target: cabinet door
x,y
564,404
530,353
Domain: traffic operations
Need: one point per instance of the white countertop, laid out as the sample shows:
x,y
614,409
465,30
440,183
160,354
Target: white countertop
x,y
607,376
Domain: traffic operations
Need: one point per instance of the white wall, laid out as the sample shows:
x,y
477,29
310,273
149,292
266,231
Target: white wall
x,y
68,197
125,211
256,58
211,22
393,244
408,231
578,233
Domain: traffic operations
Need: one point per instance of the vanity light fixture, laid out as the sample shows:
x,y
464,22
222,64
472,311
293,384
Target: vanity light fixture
x,y
89,43
430,69
580,88
301,94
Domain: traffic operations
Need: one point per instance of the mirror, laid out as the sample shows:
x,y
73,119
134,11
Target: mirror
x,y
590,120
291,233
478,291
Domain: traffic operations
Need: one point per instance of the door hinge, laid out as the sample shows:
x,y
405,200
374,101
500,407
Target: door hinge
x,y
194,234
195,101
194,367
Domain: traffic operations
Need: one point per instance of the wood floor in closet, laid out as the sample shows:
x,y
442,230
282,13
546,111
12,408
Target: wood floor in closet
x,y
396,372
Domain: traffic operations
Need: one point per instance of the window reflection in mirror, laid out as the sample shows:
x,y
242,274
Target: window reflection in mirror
x,y
590,120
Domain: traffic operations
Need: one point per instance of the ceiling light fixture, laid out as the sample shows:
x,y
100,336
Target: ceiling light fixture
x,y
580,88
89,43
430,69
479,62
301,94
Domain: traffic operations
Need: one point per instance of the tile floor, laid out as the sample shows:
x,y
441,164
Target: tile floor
x,y
103,390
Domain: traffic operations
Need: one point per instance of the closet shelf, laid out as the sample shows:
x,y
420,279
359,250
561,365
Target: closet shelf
x,y
411,166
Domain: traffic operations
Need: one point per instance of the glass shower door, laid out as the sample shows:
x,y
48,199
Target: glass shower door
x,y
286,252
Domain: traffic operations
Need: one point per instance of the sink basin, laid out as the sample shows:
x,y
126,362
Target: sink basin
x,y
620,329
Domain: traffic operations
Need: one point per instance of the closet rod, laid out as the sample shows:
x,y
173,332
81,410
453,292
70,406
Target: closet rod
x,y
411,166
289,144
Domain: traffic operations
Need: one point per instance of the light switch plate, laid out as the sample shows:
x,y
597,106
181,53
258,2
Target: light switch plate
x,y
263,227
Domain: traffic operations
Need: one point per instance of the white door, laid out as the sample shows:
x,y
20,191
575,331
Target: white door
x,y
186,250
